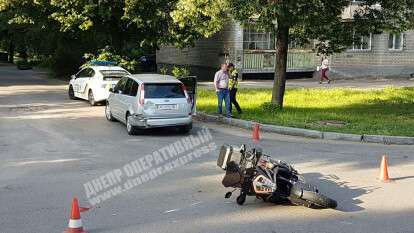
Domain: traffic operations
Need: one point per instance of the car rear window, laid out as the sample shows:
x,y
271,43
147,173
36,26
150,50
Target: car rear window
x,y
163,90
113,72
113,75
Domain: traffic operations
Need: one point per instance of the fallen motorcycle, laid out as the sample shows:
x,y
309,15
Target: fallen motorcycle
x,y
257,174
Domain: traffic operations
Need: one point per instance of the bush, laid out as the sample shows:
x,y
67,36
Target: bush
x,y
180,72
65,61
106,54
164,70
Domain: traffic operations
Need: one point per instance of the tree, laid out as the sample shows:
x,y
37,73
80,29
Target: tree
x,y
25,26
320,20
302,21
66,30
195,19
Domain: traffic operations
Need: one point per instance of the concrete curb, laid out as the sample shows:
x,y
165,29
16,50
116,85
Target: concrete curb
x,y
307,133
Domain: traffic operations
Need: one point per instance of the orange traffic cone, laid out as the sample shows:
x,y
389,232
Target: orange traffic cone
x,y
75,222
256,133
384,170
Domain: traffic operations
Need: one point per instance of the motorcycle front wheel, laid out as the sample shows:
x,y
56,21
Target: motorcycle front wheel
x,y
318,200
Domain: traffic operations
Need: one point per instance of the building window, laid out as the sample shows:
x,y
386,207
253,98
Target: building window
x,y
364,44
395,41
254,39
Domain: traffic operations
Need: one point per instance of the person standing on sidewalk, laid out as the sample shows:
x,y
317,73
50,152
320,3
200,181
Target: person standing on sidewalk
x,y
221,84
233,86
324,70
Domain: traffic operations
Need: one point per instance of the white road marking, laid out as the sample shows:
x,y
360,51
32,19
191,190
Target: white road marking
x,y
170,211
196,203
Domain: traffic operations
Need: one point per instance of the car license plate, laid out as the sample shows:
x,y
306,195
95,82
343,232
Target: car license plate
x,y
167,107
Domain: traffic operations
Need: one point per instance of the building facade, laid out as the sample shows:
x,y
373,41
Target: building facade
x,y
253,53
378,55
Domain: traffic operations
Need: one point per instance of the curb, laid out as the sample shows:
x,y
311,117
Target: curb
x,y
307,133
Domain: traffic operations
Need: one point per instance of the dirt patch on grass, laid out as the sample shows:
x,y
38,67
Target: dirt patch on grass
x,y
332,123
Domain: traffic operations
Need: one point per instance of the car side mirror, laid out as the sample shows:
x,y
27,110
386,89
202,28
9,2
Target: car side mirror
x,y
111,90
73,76
119,92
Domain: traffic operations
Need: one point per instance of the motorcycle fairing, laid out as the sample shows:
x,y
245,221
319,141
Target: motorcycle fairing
x,y
263,185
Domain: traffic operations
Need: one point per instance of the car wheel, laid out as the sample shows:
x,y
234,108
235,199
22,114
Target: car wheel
x,y
91,98
108,113
71,93
132,130
186,128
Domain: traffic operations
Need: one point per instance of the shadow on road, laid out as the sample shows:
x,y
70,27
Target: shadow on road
x,y
403,178
342,191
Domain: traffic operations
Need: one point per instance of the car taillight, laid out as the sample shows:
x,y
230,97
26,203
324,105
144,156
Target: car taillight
x,y
142,95
184,88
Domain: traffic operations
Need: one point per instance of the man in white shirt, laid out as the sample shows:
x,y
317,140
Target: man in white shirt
x,y
221,84
324,70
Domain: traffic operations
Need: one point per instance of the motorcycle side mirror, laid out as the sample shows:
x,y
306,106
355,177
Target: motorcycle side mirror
x,y
243,148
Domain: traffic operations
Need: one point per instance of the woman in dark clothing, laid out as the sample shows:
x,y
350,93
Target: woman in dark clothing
x,y
233,86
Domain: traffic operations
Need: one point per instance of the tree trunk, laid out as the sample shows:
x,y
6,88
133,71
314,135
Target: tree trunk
x,y
11,52
282,43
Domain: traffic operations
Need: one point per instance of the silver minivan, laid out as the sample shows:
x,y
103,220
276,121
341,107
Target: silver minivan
x,y
149,101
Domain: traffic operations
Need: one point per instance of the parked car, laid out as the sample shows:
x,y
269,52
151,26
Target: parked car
x,y
145,101
93,83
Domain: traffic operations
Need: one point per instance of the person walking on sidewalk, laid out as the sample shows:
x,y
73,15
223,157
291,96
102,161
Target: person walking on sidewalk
x,y
324,70
233,86
221,84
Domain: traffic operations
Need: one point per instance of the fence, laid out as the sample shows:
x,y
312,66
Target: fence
x,y
264,62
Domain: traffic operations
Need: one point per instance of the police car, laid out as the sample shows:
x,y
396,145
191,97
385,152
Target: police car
x,y
92,83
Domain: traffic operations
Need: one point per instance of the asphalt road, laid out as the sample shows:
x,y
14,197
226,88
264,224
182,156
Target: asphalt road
x,y
51,146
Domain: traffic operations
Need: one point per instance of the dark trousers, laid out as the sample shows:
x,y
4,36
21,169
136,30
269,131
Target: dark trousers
x,y
324,76
233,100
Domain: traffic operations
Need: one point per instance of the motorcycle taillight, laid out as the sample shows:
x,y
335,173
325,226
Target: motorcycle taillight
x,y
141,100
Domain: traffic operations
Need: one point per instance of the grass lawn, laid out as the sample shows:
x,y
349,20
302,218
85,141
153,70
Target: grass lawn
x,y
389,111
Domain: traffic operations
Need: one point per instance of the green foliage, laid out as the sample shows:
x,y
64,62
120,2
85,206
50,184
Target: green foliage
x,y
66,61
201,18
180,72
106,54
136,27
132,28
151,19
164,70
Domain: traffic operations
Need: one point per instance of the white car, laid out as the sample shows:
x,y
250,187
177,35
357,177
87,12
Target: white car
x,y
93,83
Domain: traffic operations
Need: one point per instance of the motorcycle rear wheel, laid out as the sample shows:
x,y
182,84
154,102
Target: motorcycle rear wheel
x,y
318,200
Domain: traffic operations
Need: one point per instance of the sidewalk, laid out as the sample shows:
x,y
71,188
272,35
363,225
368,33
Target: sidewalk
x,y
312,83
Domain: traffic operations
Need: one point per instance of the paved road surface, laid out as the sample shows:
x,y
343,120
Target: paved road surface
x,y
50,146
